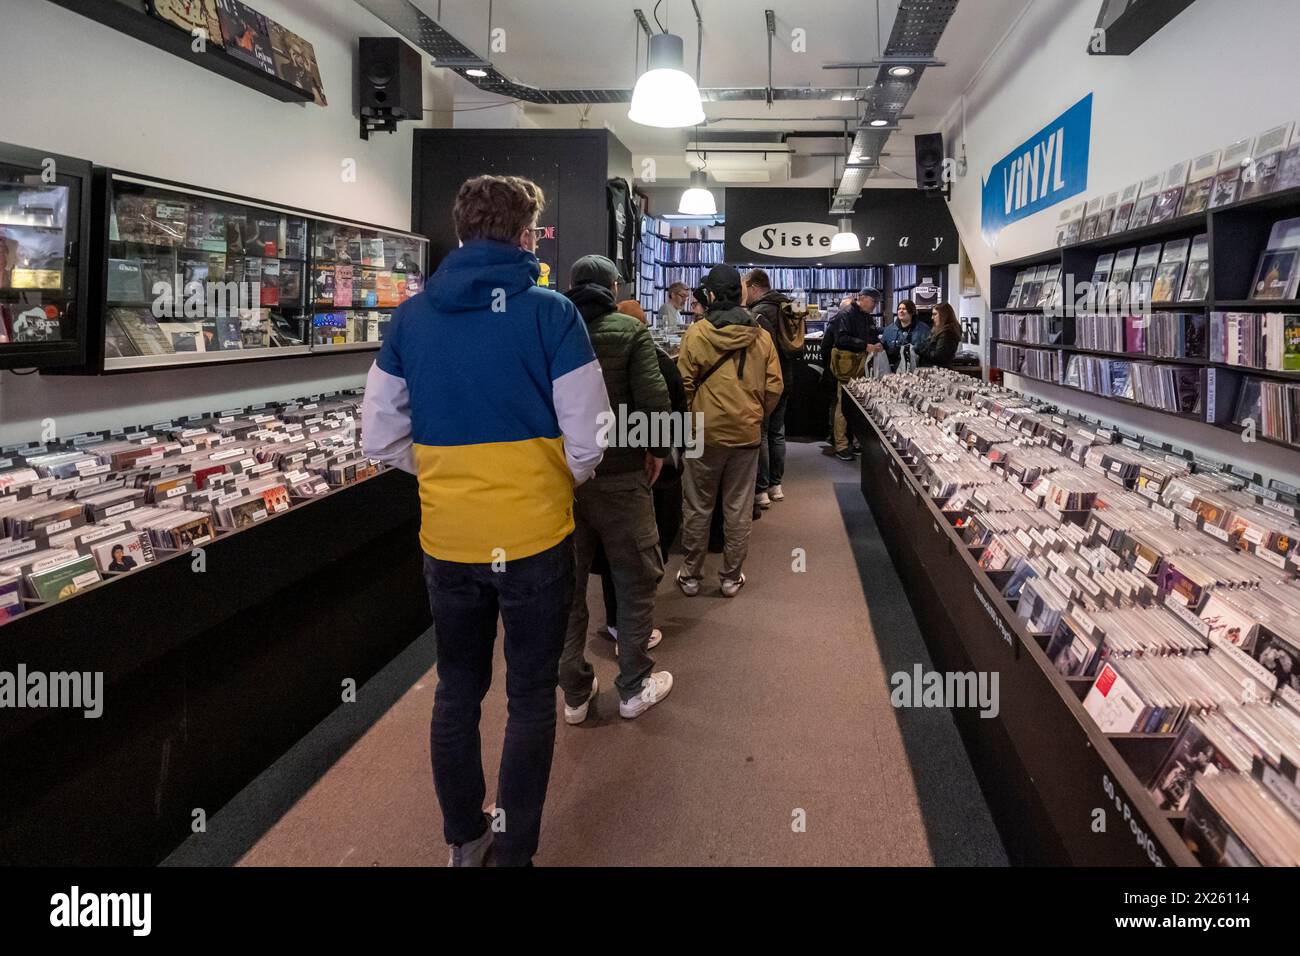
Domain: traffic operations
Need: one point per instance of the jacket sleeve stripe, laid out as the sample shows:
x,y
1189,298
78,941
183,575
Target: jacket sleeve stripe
x,y
581,404
386,420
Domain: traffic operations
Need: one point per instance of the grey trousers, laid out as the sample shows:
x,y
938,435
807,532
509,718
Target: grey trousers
x,y
617,513
730,473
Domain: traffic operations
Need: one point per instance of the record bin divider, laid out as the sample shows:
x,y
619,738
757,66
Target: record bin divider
x,y
208,678
1043,765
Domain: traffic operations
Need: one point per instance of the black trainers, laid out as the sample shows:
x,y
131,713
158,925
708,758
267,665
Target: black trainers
x,y
845,455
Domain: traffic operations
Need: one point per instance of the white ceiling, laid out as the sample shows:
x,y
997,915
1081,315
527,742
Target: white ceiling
x,y
591,44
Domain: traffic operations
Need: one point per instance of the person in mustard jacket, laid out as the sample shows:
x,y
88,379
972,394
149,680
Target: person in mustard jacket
x,y
732,375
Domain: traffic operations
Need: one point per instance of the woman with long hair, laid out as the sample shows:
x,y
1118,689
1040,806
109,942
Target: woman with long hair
x,y
940,348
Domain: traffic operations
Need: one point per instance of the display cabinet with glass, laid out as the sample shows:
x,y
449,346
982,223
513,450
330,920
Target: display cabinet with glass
x,y
360,274
196,277
44,222
193,276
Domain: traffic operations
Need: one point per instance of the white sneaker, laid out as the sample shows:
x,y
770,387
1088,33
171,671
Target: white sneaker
x,y
762,500
732,588
576,715
690,586
653,689
656,636
473,853
776,493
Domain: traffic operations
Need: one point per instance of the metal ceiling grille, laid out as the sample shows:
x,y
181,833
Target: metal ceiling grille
x,y
917,30
447,51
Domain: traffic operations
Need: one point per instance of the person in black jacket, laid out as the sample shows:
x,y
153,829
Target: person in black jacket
x,y
940,348
765,303
850,341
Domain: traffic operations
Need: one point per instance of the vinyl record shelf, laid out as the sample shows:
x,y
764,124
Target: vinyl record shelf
x,y
1237,233
1062,792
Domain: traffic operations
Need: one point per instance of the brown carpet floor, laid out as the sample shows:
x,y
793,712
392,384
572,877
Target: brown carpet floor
x,y
780,712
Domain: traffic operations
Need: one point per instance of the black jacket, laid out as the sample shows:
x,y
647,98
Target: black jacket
x,y
940,348
851,329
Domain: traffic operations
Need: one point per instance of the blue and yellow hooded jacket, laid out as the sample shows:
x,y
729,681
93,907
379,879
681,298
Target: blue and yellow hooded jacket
x,y
488,390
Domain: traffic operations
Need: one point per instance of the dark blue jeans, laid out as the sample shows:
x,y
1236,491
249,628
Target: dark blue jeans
x,y
532,596
771,448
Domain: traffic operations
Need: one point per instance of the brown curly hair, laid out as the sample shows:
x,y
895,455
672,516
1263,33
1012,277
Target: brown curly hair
x,y
496,207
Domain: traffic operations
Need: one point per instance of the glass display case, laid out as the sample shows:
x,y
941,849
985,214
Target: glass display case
x,y
360,274
194,276
44,225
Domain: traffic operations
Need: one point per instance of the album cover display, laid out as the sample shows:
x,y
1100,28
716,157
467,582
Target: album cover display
x,y
1227,182
1169,274
195,17
1124,211
295,61
1196,198
1196,284
1171,193
1259,177
246,34
1278,273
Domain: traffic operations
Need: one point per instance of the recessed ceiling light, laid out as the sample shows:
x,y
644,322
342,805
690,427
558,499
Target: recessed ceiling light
x,y
901,71
476,72
879,122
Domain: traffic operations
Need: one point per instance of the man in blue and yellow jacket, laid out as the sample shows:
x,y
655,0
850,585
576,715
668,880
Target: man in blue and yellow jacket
x,y
487,389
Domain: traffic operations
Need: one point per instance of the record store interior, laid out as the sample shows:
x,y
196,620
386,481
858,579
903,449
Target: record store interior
x,y
650,433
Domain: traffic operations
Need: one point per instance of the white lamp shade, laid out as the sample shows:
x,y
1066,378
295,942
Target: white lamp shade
x,y
698,202
665,95
668,99
846,240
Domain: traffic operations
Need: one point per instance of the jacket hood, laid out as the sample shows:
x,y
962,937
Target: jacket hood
x,y
593,301
728,329
469,277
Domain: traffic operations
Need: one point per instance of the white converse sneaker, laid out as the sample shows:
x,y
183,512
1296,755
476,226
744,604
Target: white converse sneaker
x,y
732,588
762,500
653,689
576,715
776,493
690,586
656,636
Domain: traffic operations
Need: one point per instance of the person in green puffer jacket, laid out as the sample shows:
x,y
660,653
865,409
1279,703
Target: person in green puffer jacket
x,y
615,510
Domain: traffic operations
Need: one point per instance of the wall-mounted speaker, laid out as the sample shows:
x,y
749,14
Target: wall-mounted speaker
x,y
392,82
929,162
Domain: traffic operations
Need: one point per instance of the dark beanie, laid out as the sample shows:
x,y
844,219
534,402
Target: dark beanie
x,y
724,282
594,270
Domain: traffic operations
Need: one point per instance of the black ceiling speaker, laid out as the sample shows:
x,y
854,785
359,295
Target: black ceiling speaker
x,y
392,83
929,162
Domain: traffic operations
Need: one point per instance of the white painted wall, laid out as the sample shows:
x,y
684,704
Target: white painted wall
x,y
84,90
1218,72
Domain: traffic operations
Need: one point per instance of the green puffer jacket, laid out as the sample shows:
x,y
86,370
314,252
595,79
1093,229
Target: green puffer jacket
x,y
630,366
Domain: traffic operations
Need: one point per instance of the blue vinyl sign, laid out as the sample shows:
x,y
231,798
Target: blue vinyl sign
x,y
1048,168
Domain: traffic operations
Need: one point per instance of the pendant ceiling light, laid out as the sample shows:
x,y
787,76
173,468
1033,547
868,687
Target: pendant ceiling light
x,y
697,200
665,95
846,240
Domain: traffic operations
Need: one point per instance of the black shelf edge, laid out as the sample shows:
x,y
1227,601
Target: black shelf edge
x,y
1195,222
1257,305
117,15
1237,430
